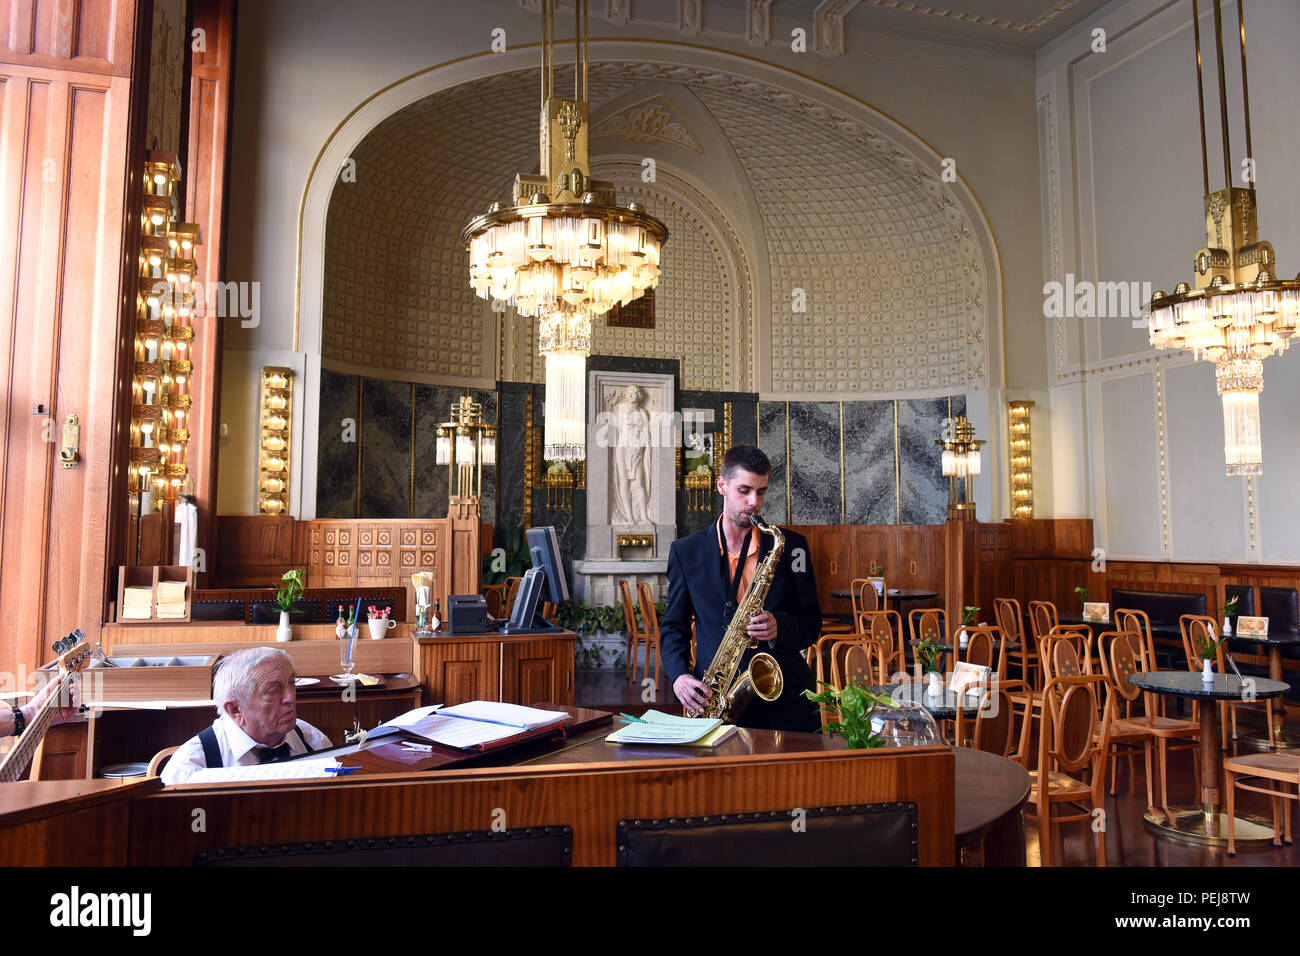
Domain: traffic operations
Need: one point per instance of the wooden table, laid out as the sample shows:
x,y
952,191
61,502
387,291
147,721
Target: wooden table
x,y
1208,824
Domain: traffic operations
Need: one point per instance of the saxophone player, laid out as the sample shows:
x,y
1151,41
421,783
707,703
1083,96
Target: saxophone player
x,y
709,573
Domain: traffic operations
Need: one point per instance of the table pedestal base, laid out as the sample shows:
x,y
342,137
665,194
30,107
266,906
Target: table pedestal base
x,y
1192,825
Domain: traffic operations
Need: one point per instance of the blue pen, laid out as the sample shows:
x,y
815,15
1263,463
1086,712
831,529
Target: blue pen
x,y
342,770
629,717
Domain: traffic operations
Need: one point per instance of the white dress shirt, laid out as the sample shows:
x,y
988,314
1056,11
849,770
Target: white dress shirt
x,y
237,749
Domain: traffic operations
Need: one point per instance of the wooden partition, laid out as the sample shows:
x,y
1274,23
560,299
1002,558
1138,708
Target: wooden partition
x,y
912,556
352,553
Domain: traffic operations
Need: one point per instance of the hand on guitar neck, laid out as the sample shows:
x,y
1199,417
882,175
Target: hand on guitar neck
x,y
33,707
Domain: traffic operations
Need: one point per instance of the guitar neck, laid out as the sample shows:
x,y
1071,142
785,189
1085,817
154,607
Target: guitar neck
x,y
20,755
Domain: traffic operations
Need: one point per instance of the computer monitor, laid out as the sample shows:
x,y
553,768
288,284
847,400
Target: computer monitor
x,y
544,548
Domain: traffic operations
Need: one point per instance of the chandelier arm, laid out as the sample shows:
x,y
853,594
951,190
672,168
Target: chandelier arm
x,y
577,49
1223,93
1200,98
1245,85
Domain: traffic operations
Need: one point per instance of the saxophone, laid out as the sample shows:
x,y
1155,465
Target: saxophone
x,y
729,694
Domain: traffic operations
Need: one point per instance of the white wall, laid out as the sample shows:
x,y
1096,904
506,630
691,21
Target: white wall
x,y
303,65
1138,435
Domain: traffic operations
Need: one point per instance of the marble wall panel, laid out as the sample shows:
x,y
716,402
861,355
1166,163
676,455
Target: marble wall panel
x,y
869,463
923,490
385,449
815,462
771,438
336,462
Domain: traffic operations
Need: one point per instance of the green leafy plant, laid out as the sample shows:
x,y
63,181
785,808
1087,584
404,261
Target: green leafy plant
x,y
517,559
928,650
291,590
1207,646
1082,591
852,707
610,618
876,568
1229,607
969,613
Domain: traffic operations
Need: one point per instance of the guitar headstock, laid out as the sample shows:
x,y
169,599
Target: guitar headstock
x,y
73,650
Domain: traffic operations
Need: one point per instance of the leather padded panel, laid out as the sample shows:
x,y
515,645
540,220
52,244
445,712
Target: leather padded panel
x,y
883,834
533,846
268,612
1163,607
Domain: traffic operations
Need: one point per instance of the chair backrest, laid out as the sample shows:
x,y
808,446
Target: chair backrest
x,y
1042,617
995,721
512,590
1071,735
926,622
1119,662
1138,622
864,595
985,646
159,761
859,661
625,599
649,615
1067,651
494,597
1007,611
887,628
1197,630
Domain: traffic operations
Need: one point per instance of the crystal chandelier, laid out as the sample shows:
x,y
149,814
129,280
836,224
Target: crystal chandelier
x,y
564,252
1239,313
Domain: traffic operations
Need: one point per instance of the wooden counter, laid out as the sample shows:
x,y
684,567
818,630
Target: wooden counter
x,y
517,669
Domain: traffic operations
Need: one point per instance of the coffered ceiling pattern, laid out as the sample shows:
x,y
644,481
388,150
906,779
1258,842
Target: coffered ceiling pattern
x,y
892,278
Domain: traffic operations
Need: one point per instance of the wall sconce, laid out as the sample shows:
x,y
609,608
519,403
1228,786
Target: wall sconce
x,y
960,464
276,421
1020,454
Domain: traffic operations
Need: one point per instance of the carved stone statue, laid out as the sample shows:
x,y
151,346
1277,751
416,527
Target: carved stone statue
x,y
631,478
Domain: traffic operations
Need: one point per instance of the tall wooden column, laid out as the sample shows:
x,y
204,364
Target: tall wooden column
x,y
206,176
72,118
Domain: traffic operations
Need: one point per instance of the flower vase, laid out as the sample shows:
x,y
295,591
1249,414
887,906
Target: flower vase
x,y
934,689
284,632
963,638
1227,627
1207,672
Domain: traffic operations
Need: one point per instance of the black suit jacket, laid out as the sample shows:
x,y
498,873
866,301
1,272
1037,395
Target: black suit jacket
x,y
696,591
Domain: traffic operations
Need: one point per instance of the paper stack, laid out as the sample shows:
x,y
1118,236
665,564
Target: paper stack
x,y
171,598
136,604
657,728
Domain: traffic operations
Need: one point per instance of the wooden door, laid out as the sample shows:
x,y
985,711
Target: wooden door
x,y
453,673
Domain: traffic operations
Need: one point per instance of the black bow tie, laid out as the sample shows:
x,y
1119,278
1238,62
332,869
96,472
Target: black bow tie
x,y
272,754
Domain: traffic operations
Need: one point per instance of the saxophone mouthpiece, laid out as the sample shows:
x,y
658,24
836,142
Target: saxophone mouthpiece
x,y
758,520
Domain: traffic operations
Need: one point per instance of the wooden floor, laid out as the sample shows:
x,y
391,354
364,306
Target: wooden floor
x,y
1128,842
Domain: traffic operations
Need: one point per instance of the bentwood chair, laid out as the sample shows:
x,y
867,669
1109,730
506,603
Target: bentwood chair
x,y
159,761
1072,740
986,646
925,624
886,627
1012,624
860,661
1042,617
1197,630
512,591
1281,770
865,596
649,633
1119,664
629,623
994,727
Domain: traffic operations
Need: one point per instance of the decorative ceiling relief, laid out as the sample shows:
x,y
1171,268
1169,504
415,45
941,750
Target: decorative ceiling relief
x,y
650,121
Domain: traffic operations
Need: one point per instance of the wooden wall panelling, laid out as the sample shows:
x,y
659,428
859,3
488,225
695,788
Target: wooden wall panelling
x,y
64,157
205,189
590,798
255,550
873,543
455,672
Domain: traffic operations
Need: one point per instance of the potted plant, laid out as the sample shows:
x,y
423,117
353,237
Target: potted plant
x,y
1229,608
968,615
287,599
1208,648
852,707
1082,591
928,650
876,568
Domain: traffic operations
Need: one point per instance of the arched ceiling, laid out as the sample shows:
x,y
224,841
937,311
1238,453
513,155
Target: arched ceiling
x,y
891,275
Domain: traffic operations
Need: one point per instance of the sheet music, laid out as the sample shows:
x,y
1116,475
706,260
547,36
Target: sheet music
x,y
510,715
309,768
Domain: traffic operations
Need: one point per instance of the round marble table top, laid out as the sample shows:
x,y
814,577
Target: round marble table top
x,y
1190,684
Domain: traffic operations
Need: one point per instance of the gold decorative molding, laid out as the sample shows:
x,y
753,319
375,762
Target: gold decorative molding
x,y
1164,471
651,120
636,540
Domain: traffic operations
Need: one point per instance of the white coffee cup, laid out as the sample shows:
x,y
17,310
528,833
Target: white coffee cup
x,y
378,625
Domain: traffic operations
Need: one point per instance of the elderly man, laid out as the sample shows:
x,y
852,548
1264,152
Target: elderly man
x,y
257,718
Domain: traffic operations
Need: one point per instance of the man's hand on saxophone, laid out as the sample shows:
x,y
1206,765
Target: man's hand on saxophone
x,y
762,627
692,693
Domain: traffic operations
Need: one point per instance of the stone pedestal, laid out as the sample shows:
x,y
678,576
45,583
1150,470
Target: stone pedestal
x,y
632,438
